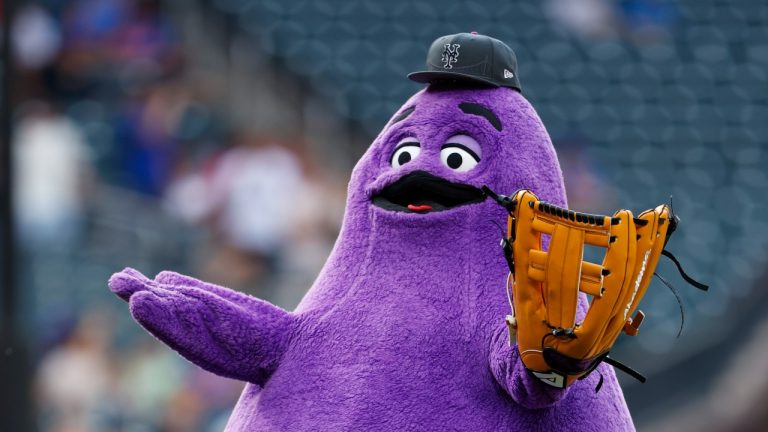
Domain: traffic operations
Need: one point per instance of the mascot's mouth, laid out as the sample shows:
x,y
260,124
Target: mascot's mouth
x,y
422,192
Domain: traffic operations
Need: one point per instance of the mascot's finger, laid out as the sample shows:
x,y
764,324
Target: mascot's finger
x,y
175,281
220,337
173,278
127,282
135,273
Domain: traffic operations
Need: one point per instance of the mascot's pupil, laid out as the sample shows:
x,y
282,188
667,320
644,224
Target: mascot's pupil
x,y
404,158
454,160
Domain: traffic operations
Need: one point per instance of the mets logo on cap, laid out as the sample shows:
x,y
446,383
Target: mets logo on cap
x,y
450,55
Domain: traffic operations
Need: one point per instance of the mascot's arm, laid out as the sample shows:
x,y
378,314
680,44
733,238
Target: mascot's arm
x,y
515,379
222,331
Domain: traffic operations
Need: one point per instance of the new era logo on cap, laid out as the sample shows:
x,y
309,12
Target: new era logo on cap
x,y
469,58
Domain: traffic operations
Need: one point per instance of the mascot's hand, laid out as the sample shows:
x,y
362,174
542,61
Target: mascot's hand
x,y
223,331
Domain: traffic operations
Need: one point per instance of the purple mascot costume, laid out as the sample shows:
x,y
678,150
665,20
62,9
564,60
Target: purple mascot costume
x,y
404,329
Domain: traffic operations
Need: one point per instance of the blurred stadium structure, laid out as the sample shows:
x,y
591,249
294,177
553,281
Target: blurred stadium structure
x,y
155,134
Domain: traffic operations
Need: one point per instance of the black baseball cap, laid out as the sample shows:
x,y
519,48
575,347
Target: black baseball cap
x,y
469,58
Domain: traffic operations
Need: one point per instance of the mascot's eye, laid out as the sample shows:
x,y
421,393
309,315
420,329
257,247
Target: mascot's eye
x,y
407,150
460,153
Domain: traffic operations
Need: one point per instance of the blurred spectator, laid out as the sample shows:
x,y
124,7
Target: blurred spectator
x,y
275,214
83,68
203,402
145,35
184,412
638,20
317,219
51,170
248,195
75,381
591,18
145,134
150,378
112,46
216,393
93,21
648,20
36,37
253,191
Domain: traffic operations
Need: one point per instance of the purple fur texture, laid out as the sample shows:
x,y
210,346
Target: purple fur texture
x,y
404,328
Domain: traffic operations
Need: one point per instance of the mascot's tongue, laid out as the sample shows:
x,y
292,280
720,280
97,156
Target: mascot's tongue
x,y
419,207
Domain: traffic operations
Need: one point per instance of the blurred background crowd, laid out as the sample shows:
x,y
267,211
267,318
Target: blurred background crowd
x,y
216,137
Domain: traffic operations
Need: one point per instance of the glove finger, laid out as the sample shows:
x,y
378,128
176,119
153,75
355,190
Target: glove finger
x,y
563,273
629,289
648,248
529,308
172,278
175,281
135,273
128,282
604,310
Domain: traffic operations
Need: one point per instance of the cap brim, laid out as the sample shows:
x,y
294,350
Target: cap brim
x,y
431,77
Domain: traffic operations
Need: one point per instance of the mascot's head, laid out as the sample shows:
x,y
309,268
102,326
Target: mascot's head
x,y
471,127
417,229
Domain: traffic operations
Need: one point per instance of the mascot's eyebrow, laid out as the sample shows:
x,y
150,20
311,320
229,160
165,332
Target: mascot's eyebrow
x,y
475,109
403,115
